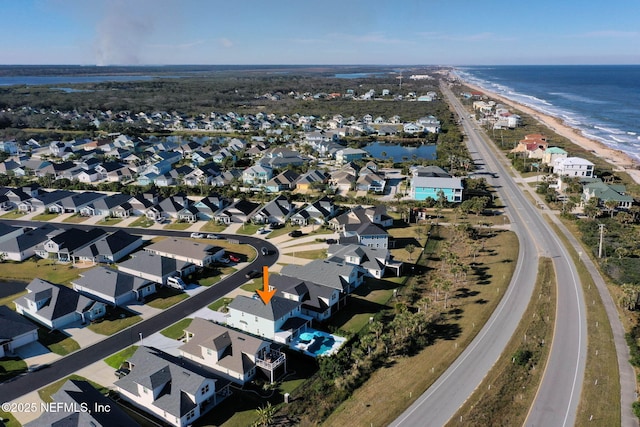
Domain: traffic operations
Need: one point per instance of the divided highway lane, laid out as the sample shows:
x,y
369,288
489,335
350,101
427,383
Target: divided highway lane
x,y
557,402
86,356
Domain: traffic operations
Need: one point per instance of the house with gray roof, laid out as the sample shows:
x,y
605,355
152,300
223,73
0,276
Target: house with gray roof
x,y
373,261
165,388
23,245
233,354
280,320
109,249
114,205
57,306
318,301
343,277
200,254
62,246
318,212
43,201
76,201
155,268
277,211
239,211
15,331
82,405
113,286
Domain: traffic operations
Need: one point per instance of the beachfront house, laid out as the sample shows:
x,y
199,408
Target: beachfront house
x,y
573,167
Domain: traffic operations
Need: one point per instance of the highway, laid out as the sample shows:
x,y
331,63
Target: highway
x,y
558,397
75,361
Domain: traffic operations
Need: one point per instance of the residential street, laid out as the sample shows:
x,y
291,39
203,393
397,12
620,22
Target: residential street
x,y
114,343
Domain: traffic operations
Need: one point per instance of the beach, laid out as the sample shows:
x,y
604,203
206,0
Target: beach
x,y
619,160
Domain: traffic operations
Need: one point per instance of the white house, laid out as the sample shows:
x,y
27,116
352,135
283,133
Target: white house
x,y
171,392
573,166
280,320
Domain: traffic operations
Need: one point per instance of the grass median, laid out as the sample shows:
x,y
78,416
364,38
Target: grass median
x,y
506,393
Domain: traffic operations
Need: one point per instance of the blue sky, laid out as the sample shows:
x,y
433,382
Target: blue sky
x,y
442,32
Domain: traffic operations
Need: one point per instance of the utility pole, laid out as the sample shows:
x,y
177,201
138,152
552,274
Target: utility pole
x,y
601,226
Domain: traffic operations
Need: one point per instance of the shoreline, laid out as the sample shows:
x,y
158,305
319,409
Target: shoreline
x,y
619,160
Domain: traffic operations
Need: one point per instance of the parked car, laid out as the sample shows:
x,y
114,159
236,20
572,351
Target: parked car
x,y
35,368
331,241
234,258
224,260
264,230
252,274
197,235
295,233
275,225
176,283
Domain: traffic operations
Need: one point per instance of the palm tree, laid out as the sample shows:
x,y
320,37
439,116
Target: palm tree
x,y
611,206
446,287
265,415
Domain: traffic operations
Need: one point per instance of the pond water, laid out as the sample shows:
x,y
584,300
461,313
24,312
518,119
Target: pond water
x,y
399,153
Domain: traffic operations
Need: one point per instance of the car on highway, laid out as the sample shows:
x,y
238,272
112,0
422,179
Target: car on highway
x,y
264,251
197,235
213,236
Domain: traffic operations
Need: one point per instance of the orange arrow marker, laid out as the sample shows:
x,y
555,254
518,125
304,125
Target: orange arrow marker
x,y
266,294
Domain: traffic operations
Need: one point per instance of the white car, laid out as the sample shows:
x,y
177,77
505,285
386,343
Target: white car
x,y
197,235
213,236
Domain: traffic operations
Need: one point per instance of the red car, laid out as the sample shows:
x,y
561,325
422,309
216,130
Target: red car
x,y
234,258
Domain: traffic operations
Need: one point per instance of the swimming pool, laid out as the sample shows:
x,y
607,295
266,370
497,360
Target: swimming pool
x,y
317,343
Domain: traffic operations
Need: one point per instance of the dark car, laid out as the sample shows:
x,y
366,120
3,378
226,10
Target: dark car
x,y
264,251
331,241
251,274
295,233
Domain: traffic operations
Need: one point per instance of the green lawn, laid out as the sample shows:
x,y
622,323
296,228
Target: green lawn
x,y
57,342
14,214
218,304
314,254
45,217
249,229
176,330
213,227
116,360
214,275
281,231
10,367
165,298
142,222
26,271
116,320
109,221
178,226
252,285
75,219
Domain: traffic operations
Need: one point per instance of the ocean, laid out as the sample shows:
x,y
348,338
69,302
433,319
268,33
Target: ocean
x,y
602,101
